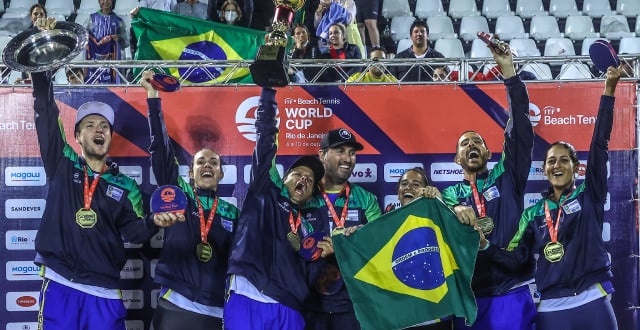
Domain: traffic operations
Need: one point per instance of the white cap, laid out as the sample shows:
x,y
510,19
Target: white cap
x,y
95,108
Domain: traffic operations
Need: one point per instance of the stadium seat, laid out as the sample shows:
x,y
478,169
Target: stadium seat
x,y
579,27
563,8
20,6
461,8
570,71
509,27
393,8
4,40
88,7
544,27
17,10
559,47
23,16
597,8
403,44
471,25
629,46
450,48
401,27
524,47
123,8
479,49
82,18
440,27
493,9
13,26
615,27
530,8
629,8
637,29
428,8
542,71
64,7
586,43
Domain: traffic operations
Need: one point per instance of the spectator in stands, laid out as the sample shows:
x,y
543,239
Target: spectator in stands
x,y
339,48
37,11
164,5
75,76
441,73
230,12
107,39
192,268
193,8
302,49
245,7
367,17
377,71
419,49
338,11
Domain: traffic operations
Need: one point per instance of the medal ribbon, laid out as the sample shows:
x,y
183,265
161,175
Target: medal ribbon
x,y
553,230
338,221
294,225
88,192
478,199
205,227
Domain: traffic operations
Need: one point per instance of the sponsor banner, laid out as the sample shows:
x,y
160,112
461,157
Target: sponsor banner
x,y
132,269
157,240
450,171
20,239
183,171
133,299
24,176
154,298
231,200
394,171
129,245
22,326
22,271
364,172
134,172
134,324
247,172
22,301
390,200
24,208
152,267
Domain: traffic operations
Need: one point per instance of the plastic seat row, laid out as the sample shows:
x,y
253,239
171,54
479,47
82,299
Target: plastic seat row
x,y
495,8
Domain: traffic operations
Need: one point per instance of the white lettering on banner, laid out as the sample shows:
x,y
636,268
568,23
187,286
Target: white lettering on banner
x,y
132,269
22,301
364,172
247,172
551,116
24,208
24,176
394,171
22,326
20,125
134,172
20,239
22,271
320,100
133,299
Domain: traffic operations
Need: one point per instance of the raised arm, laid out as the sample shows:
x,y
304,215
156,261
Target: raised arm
x,y
263,167
596,175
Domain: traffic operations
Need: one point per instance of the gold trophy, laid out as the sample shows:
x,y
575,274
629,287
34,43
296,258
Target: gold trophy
x,y
269,68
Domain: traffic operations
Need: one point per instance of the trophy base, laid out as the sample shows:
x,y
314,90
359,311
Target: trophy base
x,y
269,70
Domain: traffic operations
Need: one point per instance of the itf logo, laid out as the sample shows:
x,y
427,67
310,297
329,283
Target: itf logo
x,y
246,118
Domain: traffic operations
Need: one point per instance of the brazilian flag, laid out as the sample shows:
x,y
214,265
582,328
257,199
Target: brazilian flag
x,y
168,36
410,266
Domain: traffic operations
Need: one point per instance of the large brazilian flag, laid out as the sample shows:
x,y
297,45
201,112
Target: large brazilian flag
x,y
168,36
410,266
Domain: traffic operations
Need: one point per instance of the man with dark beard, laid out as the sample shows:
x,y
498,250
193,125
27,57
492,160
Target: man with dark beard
x,y
494,200
342,205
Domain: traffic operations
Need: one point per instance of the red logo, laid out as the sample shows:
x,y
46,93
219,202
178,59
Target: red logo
x,y
168,195
309,242
26,301
582,169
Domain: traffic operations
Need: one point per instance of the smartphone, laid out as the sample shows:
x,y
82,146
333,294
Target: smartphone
x,y
492,41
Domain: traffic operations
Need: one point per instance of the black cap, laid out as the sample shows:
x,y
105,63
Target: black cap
x,y
311,162
337,137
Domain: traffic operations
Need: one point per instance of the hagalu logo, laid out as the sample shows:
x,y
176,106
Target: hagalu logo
x,y
246,118
22,271
24,176
394,171
22,301
534,114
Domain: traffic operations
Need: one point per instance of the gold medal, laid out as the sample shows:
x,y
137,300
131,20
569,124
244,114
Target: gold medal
x,y
485,224
553,251
294,240
204,252
86,218
337,231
